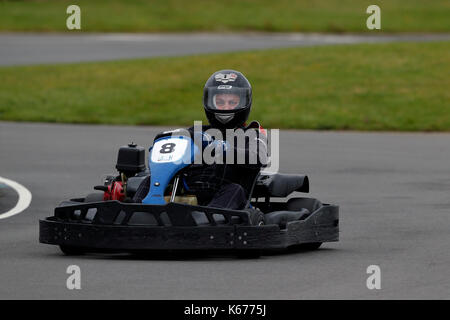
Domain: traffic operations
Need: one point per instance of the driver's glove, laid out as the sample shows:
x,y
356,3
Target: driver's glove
x,y
221,145
203,137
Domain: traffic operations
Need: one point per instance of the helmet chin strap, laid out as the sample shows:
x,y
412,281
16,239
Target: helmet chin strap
x,y
224,117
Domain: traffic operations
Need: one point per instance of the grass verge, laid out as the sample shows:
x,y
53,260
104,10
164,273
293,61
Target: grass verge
x,y
231,15
402,87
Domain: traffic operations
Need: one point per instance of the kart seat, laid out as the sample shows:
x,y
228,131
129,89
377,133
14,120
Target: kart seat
x,y
280,184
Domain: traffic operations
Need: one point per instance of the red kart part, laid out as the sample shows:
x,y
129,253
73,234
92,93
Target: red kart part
x,y
115,192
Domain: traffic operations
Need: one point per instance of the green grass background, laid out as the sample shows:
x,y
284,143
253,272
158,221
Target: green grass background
x,y
223,16
360,87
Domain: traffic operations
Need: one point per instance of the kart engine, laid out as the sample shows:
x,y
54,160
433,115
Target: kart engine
x,y
131,160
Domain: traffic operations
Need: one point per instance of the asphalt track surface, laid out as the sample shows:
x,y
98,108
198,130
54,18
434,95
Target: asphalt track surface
x,y
8,198
392,189
29,48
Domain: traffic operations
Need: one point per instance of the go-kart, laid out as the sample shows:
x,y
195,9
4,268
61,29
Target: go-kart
x,y
169,218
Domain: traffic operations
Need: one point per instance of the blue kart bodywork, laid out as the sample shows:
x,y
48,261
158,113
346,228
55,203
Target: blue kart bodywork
x,y
163,173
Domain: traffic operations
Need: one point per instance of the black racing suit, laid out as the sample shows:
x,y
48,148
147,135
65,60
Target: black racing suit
x,y
227,185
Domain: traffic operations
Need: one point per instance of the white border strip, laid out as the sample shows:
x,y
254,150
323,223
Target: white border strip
x,y
24,198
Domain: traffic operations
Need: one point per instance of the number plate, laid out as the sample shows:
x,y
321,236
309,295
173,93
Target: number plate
x,y
169,150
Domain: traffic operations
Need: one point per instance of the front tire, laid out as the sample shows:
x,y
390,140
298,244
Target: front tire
x,y
71,250
309,246
249,254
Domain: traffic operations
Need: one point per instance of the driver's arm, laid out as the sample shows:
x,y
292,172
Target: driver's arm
x,y
256,149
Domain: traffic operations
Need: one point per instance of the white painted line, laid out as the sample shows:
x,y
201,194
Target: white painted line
x,y
24,198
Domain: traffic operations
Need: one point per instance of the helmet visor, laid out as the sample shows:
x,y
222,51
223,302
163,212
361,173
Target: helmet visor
x,y
226,97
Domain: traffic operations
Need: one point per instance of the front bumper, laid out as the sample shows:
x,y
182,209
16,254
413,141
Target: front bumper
x,y
69,227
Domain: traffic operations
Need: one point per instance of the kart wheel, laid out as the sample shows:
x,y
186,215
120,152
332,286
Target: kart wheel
x,y
72,251
94,197
249,254
310,246
67,203
311,204
257,218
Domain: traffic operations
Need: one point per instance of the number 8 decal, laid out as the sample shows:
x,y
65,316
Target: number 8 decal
x,y
167,148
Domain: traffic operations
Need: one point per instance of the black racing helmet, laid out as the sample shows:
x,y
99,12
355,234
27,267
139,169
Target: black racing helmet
x,y
227,99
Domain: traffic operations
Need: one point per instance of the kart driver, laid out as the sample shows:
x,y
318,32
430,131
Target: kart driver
x,y
227,101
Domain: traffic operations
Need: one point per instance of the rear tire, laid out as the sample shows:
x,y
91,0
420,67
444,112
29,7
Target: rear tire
x,y
67,203
311,204
309,246
71,250
94,197
257,218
